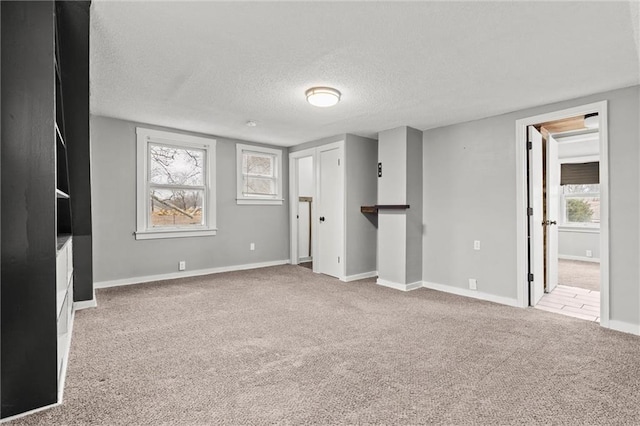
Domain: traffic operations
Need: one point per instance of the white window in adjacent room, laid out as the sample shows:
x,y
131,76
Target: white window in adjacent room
x,y
175,185
581,205
259,178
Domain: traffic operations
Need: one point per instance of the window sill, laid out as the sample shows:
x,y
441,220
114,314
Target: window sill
x,y
578,228
258,201
174,233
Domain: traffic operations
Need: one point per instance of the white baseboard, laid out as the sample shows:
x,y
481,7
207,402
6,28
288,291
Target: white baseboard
x,y
580,258
361,276
624,327
305,259
85,304
399,286
471,293
185,274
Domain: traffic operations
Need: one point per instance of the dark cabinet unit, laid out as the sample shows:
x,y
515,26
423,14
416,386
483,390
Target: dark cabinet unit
x,y
44,159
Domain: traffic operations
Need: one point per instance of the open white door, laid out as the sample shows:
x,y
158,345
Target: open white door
x,y
553,209
330,225
536,226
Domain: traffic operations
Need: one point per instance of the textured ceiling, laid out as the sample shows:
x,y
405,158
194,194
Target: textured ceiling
x,y
209,67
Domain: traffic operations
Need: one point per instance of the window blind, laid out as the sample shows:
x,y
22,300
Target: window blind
x,y
580,173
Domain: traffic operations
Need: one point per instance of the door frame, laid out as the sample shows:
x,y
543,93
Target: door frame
x,y
521,199
553,162
536,257
293,203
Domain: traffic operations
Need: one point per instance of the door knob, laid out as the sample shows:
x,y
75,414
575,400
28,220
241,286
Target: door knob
x,y
553,222
321,218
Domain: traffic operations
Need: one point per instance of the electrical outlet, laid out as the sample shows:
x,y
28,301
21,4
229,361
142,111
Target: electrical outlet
x,y
473,284
182,265
252,246
589,253
476,245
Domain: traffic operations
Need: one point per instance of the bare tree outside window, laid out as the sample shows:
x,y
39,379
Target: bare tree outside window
x,y
258,174
176,185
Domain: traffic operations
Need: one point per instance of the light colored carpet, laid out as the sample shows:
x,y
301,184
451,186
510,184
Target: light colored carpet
x,y
575,273
283,345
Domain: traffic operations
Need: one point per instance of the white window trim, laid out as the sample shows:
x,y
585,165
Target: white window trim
x,y
563,207
241,199
146,136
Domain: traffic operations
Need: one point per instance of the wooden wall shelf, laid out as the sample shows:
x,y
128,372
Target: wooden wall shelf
x,y
374,209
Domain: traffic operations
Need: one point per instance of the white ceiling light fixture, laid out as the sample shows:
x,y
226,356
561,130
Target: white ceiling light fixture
x,y
591,121
251,123
323,96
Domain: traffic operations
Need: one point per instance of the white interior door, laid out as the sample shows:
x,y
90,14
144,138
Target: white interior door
x,y
553,212
536,227
330,224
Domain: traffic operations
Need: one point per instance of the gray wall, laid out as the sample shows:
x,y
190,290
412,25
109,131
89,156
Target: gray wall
x,y
392,153
576,242
469,174
414,198
118,255
361,162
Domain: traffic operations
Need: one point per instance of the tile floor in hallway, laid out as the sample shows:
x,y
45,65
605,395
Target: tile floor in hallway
x,y
572,301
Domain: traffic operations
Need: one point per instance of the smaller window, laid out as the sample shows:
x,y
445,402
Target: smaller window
x,y
259,179
581,205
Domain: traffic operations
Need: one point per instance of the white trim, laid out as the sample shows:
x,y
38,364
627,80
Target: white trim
x,y
185,274
145,136
172,233
472,293
65,359
624,327
521,199
260,201
85,304
585,137
580,229
305,259
276,199
580,258
361,276
399,286
293,202
580,159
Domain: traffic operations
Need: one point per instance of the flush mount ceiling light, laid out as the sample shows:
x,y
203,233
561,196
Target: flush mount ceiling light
x,y
322,96
251,123
591,121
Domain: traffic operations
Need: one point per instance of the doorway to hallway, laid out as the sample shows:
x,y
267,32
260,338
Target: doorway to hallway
x,y
565,210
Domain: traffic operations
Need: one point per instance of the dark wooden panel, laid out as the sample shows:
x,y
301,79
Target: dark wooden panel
x,y
73,33
28,259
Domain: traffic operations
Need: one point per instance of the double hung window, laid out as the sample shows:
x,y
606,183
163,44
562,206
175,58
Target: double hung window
x,y
175,187
259,178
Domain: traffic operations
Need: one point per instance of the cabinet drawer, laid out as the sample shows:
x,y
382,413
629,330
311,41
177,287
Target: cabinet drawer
x,y
62,274
69,260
